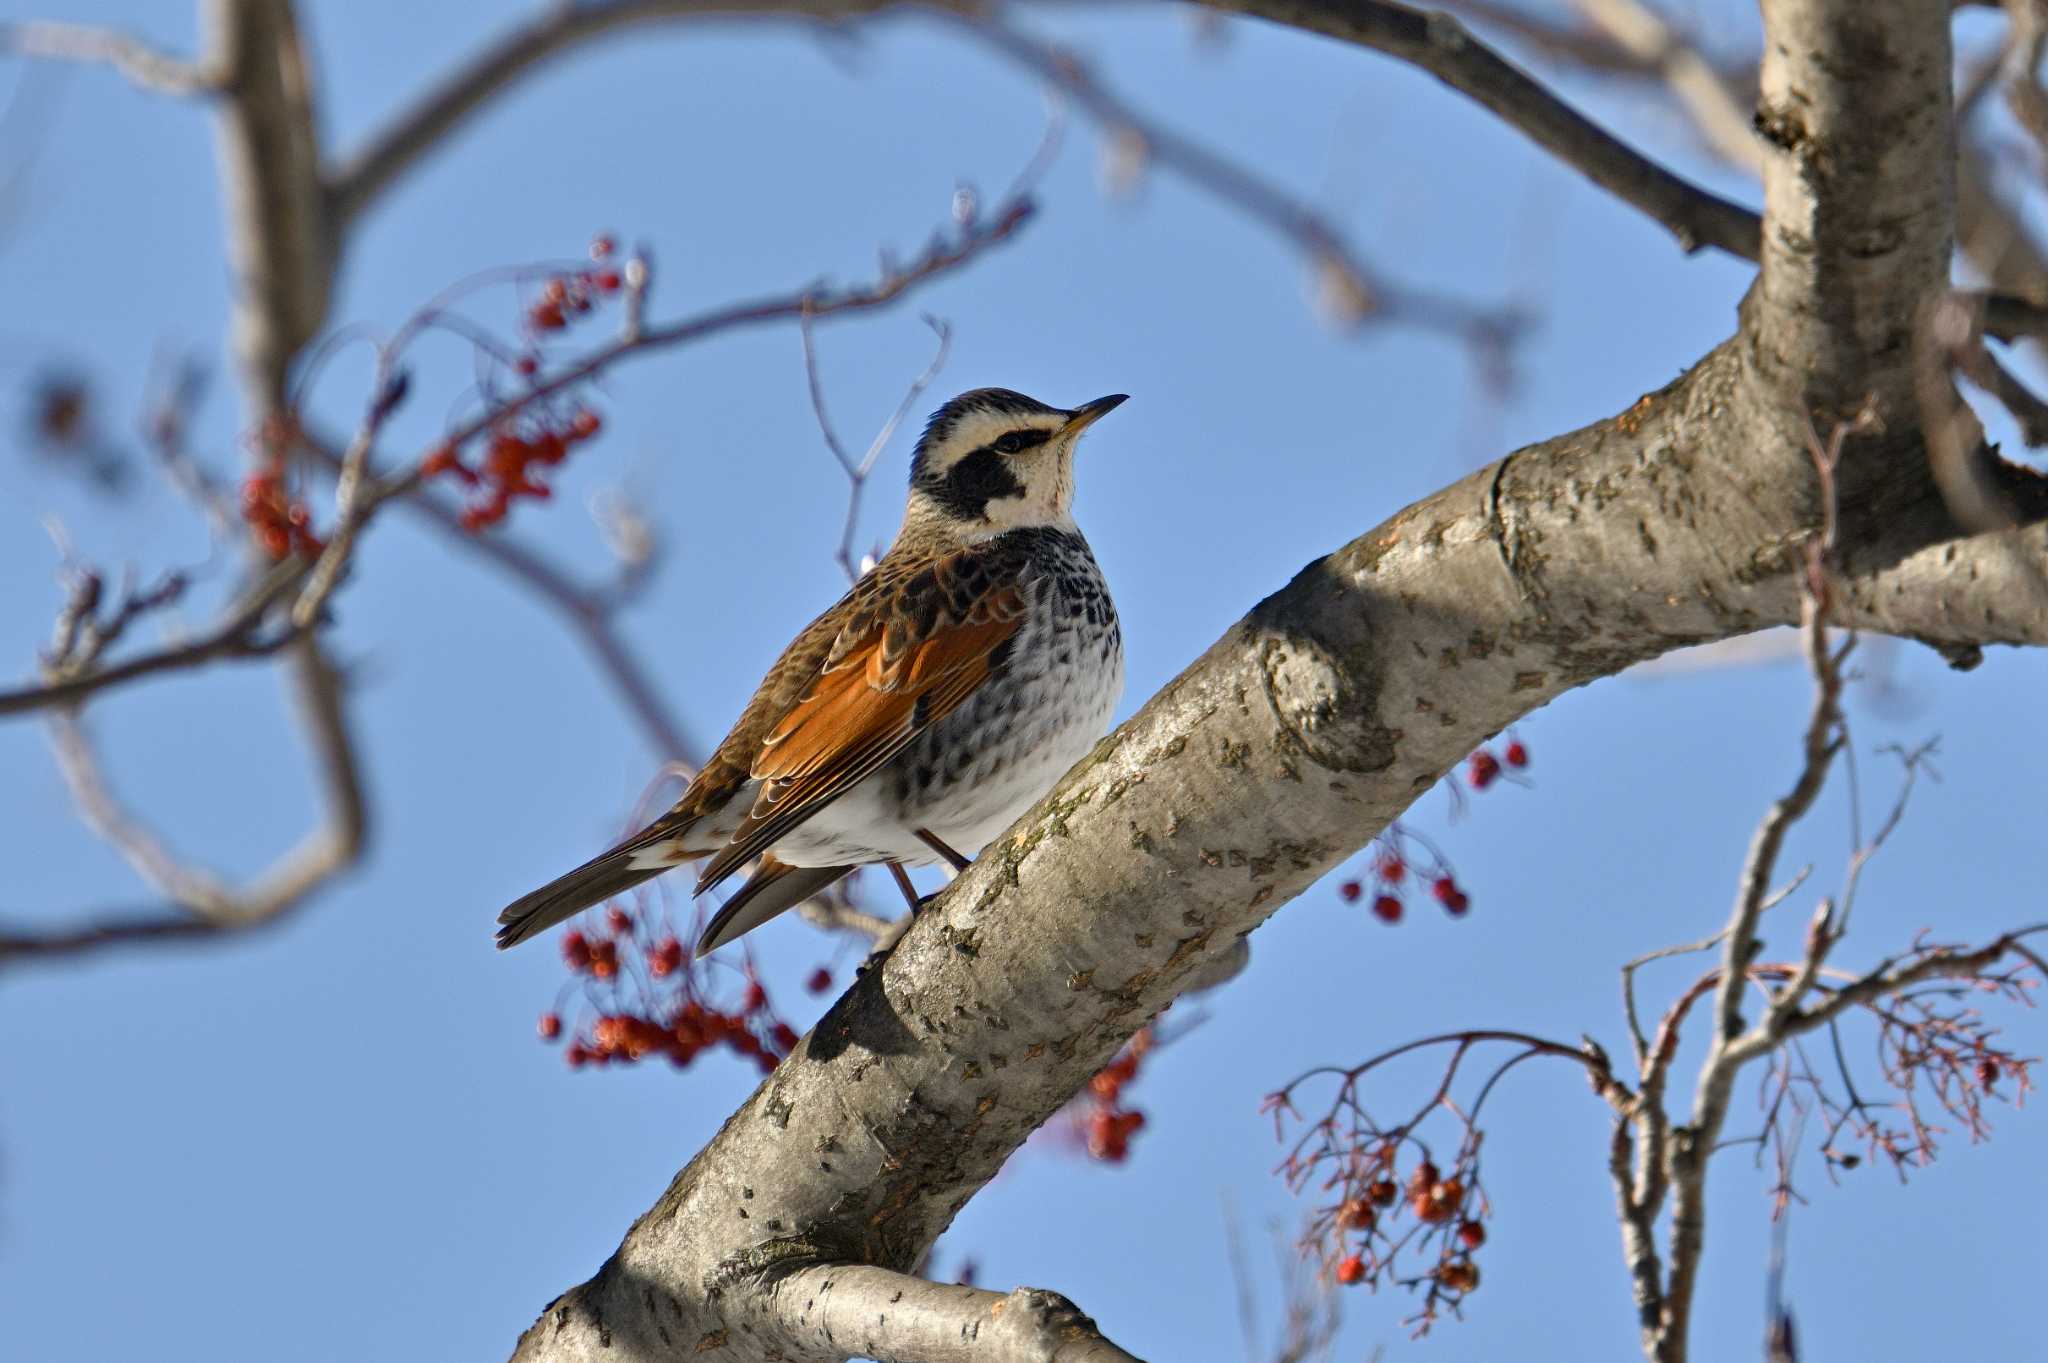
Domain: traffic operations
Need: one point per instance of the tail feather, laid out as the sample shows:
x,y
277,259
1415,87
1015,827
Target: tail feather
x,y
773,887
610,873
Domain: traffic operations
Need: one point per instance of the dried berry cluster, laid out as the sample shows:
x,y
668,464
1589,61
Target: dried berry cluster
x,y
1378,1216
279,521
1109,1124
648,998
532,434
570,295
517,448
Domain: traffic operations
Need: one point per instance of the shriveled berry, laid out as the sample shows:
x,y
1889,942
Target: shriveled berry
x,y
1460,1276
550,1026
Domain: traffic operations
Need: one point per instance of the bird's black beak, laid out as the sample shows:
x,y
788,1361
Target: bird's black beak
x,y
1088,413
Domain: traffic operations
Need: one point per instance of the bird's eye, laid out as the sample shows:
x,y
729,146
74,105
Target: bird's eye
x,y
1010,444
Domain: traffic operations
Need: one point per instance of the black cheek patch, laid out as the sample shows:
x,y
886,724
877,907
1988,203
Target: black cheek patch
x,y
970,485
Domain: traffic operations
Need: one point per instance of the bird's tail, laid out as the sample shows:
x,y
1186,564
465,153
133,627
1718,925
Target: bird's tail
x,y
610,873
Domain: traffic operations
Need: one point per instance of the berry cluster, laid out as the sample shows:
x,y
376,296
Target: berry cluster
x,y
572,294
1369,1227
279,521
515,452
1109,1124
1482,768
648,999
1405,861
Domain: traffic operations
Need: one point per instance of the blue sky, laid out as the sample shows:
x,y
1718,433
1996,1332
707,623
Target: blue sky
x,y
340,1140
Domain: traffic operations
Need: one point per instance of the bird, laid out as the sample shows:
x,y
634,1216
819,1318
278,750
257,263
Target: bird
x,y
946,692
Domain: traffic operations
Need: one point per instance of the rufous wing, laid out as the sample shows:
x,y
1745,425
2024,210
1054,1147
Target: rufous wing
x,y
879,691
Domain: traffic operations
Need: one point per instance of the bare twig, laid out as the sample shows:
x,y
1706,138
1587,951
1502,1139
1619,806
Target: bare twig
x,y
857,470
145,66
1353,292
239,633
552,32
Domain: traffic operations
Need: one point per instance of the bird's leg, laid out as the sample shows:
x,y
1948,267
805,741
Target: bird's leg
x,y
903,884
937,844
886,943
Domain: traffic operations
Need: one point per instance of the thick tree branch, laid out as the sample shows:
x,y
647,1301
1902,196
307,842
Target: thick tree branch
x,y
1859,190
280,246
832,1310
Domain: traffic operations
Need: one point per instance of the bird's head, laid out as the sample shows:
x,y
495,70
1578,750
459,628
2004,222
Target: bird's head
x,y
994,460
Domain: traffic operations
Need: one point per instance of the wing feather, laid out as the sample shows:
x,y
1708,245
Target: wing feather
x,y
876,693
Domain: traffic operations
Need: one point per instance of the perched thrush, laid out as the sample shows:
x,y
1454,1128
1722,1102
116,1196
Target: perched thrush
x,y
938,700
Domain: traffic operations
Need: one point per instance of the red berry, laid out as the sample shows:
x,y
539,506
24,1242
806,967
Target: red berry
x,y
527,365
785,1037
602,245
1471,1235
1483,769
1387,909
607,281
1356,1214
1351,1270
1517,755
1445,889
617,919
584,424
820,980
550,1026
1391,868
1382,1192
756,998
547,317
666,958
1349,891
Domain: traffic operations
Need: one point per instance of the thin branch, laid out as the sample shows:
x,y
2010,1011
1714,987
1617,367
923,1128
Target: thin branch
x,y
590,611
942,257
857,471
146,67
239,633
492,72
1351,289
24,944
1443,47
1722,118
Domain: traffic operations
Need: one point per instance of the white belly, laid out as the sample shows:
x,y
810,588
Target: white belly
x,y
970,776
